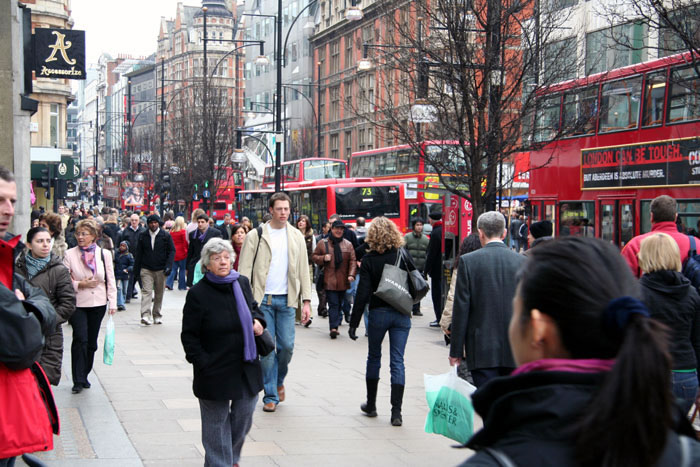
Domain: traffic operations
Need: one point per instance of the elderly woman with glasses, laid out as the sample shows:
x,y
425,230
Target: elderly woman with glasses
x,y
92,272
219,324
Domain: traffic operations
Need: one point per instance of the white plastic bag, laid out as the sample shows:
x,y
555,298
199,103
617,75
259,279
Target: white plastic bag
x,y
108,350
451,411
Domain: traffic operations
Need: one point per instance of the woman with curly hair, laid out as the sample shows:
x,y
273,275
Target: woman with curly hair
x,y
384,241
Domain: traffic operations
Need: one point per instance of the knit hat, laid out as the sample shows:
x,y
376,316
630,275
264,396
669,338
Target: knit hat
x,y
126,242
154,218
435,215
541,229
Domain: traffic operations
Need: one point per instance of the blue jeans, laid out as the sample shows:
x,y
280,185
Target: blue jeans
x,y
280,323
179,271
348,298
122,285
335,300
381,321
685,388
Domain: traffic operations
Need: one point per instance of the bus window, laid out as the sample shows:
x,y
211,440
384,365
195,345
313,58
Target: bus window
x,y
689,215
607,222
368,202
684,98
626,222
391,163
577,219
322,169
654,94
644,217
547,119
620,105
580,109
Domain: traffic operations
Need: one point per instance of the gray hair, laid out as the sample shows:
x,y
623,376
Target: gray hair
x,y
213,247
492,223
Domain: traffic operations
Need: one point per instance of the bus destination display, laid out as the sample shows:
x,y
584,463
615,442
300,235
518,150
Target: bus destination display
x,y
368,202
659,163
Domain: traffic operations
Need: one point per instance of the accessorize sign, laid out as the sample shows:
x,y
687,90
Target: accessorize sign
x,y
657,163
59,53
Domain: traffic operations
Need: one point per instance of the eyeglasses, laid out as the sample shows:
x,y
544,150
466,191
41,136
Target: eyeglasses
x,y
83,234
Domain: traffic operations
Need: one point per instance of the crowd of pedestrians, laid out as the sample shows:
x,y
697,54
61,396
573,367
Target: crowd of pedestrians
x,y
554,333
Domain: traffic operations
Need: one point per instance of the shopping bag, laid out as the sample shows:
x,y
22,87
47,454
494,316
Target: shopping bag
x,y
393,287
451,411
108,350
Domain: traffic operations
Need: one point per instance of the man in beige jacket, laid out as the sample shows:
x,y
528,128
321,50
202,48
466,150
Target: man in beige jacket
x,y
274,259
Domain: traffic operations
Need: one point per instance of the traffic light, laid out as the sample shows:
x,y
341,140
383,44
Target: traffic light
x,y
61,189
45,181
165,184
206,184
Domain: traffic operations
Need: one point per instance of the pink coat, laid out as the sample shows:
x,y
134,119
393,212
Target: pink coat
x,y
98,296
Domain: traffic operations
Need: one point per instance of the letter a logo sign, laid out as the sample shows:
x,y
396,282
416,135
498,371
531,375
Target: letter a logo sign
x,y
60,45
59,53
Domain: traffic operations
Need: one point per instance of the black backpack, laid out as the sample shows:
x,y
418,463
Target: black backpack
x,y
691,267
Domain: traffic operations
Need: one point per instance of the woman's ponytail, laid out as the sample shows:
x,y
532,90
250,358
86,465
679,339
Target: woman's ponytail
x,y
628,420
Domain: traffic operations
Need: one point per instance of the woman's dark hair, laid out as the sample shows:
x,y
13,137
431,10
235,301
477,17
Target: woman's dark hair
x,y
572,280
54,222
235,229
469,244
35,230
309,229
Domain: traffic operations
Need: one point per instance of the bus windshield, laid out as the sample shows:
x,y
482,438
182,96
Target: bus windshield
x,y
369,202
322,169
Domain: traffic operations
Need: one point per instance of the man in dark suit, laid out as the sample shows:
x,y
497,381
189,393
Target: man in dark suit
x,y
226,227
433,265
485,287
198,238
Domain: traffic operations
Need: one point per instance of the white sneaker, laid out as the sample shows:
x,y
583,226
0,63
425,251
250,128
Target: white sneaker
x,y
146,320
158,320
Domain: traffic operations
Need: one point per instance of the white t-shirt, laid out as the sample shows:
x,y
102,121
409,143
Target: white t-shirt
x,y
276,283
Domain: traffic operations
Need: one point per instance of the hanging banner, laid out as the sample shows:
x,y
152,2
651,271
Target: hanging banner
x,y
59,53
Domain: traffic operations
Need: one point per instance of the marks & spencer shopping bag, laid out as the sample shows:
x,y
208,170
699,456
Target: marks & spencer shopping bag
x,y
451,411
108,351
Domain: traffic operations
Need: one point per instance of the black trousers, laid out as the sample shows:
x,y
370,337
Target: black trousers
x,y
86,327
482,376
436,294
132,284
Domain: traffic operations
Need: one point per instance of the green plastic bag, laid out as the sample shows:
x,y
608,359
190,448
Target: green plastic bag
x,y
451,411
108,350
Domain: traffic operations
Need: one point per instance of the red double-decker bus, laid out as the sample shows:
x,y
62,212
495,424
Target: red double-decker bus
x,y
224,200
306,170
349,198
633,135
402,163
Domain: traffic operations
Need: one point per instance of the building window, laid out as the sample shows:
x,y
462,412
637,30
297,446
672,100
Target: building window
x,y
560,60
349,58
348,144
615,47
322,104
295,52
361,136
322,60
335,56
335,103
334,145
53,125
347,104
688,21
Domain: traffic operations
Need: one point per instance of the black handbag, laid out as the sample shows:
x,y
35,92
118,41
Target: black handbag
x,y
393,287
418,286
265,343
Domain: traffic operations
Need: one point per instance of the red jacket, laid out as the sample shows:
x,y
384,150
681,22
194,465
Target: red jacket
x,y
629,252
180,241
25,425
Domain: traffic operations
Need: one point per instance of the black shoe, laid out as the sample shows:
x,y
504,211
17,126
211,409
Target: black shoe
x,y
87,385
396,402
434,324
308,323
417,313
370,407
128,300
121,308
334,333
77,388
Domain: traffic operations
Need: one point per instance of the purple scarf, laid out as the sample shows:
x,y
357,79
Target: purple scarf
x,y
590,365
250,351
88,255
201,236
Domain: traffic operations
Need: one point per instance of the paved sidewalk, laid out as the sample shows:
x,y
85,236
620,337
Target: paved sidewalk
x,y
141,410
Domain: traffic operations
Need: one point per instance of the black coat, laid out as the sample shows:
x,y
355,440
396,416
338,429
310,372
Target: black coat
x,y
112,230
370,276
482,306
531,418
212,337
55,281
672,300
194,250
433,259
131,236
157,258
123,261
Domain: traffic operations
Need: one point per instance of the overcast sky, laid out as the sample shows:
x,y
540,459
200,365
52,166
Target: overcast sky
x,y
122,26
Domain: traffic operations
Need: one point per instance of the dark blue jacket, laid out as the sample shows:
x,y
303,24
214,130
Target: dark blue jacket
x,y
123,261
